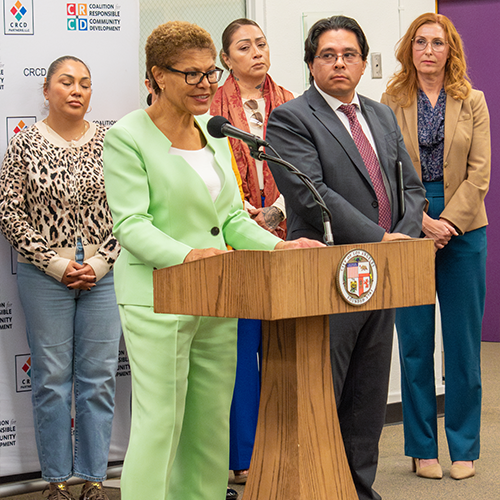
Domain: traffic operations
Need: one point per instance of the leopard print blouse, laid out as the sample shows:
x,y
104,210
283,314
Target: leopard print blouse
x,y
50,195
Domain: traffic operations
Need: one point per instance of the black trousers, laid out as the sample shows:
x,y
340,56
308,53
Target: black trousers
x,y
361,348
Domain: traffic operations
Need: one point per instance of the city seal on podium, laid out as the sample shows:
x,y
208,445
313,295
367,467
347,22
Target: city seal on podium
x,y
357,277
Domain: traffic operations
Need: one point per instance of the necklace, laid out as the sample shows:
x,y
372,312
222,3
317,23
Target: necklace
x,y
76,139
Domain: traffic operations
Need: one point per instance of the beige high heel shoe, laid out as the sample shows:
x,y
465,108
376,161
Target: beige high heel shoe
x,y
433,471
459,471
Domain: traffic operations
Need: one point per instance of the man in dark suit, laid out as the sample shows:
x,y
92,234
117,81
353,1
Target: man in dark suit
x,y
350,146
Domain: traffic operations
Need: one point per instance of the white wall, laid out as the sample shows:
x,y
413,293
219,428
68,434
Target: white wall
x,y
384,22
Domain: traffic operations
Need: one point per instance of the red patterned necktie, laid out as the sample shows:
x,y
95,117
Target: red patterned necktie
x,y
372,165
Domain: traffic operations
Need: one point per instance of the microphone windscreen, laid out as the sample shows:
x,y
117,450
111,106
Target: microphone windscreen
x,y
214,126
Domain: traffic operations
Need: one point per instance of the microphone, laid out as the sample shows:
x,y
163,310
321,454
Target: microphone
x,y
220,127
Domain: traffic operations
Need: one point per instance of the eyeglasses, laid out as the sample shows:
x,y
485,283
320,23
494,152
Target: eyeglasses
x,y
256,117
349,58
196,77
437,45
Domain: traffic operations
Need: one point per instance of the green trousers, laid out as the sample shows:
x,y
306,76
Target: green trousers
x,y
183,370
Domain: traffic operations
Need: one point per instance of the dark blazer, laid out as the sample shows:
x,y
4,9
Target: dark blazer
x,y
307,133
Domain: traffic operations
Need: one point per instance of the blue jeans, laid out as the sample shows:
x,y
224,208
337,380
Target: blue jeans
x,y
73,336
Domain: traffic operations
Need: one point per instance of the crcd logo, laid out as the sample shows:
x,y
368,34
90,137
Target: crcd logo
x,y
23,373
18,17
17,123
74,9
18,11
76,21
35,72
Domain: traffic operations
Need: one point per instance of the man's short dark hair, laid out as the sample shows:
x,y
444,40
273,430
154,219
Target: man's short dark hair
x,y
328,24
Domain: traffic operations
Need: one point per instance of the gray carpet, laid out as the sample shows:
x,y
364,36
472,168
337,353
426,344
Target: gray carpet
x,y
395,481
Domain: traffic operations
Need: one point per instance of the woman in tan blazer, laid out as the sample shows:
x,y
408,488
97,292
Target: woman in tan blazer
x,y
445,124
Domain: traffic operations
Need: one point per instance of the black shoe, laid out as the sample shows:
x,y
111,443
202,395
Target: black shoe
x,y
231,494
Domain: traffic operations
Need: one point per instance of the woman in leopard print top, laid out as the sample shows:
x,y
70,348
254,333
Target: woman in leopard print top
x,y
53,211
53,193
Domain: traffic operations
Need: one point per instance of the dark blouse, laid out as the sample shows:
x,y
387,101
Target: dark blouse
x,y
431,135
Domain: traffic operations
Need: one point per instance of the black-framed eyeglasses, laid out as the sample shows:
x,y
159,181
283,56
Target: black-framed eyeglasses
x,y
421,43
196,77
332,58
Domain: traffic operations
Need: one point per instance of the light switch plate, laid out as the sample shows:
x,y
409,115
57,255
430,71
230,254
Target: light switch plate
x,y
376,64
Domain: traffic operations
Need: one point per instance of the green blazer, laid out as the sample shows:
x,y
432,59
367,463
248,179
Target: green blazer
x,y
162,208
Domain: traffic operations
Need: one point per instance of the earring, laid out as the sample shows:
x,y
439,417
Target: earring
x,y
89,110
46,103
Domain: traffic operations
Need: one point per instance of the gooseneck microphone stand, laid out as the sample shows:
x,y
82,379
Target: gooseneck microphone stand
x,y
325,212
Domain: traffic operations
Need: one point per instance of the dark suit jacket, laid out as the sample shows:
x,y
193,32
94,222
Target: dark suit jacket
x,y
307,133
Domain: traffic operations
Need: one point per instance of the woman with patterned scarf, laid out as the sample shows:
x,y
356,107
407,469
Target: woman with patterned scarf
x,y
246,99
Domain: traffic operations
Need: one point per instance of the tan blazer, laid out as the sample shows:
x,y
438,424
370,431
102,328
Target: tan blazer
x,y
467,155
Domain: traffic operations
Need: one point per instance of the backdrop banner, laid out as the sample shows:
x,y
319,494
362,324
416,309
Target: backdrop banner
x,y
36,32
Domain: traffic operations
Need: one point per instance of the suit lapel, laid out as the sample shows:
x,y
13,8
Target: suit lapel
x,y
328,117
453,108
411,120
377,131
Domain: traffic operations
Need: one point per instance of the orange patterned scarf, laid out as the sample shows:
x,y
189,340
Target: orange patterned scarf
x,y
227,102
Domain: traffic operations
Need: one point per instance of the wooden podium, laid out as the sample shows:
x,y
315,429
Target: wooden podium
x,y
299,452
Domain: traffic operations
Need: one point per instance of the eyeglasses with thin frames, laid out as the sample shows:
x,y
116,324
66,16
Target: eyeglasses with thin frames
x,y
437,44
256,117
349,58
196,77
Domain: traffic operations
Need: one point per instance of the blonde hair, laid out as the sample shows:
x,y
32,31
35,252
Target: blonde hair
x,y
167,42
404,83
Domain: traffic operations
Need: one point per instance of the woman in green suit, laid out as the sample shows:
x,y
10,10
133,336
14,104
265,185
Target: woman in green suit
x,y
174,199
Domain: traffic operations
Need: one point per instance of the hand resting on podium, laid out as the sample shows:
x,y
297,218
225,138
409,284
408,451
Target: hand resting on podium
x,y
203,253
